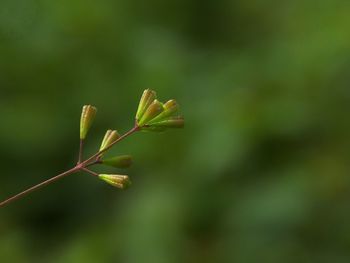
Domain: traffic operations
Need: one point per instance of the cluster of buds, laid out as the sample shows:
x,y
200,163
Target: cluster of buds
x,y
153,115
111,136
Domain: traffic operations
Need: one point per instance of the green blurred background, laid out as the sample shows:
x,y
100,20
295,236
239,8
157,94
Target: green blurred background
x,y
259,174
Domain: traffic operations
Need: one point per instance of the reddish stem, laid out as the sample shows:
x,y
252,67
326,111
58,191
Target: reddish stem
x,y
81,147
89,171
42,184
81,165
96,155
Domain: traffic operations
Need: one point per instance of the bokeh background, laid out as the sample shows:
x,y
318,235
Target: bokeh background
x,y
259,174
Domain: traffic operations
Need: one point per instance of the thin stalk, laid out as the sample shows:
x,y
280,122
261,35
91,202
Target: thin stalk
x,y
36,187
81,148
80,166
89,171
96,155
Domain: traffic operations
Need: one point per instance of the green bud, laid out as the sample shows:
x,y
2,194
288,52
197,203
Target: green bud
x,y
147,98
116,180
169,109
154,109
87,117
123,161
175,122
109,138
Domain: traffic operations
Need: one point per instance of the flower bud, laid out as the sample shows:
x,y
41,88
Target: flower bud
x,y
169,108
147,98
109,138
153,110
87,117
174,122
116,180
123,161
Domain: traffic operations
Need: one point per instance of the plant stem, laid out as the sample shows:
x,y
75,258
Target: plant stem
x,y
81,165
96,155
81,147
36,187
89,171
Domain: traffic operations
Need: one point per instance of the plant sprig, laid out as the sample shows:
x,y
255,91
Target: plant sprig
x,y
151,115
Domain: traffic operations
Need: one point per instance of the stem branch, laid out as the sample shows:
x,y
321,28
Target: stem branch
x,y
81,165
81,147
36,187
133,130
89,171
